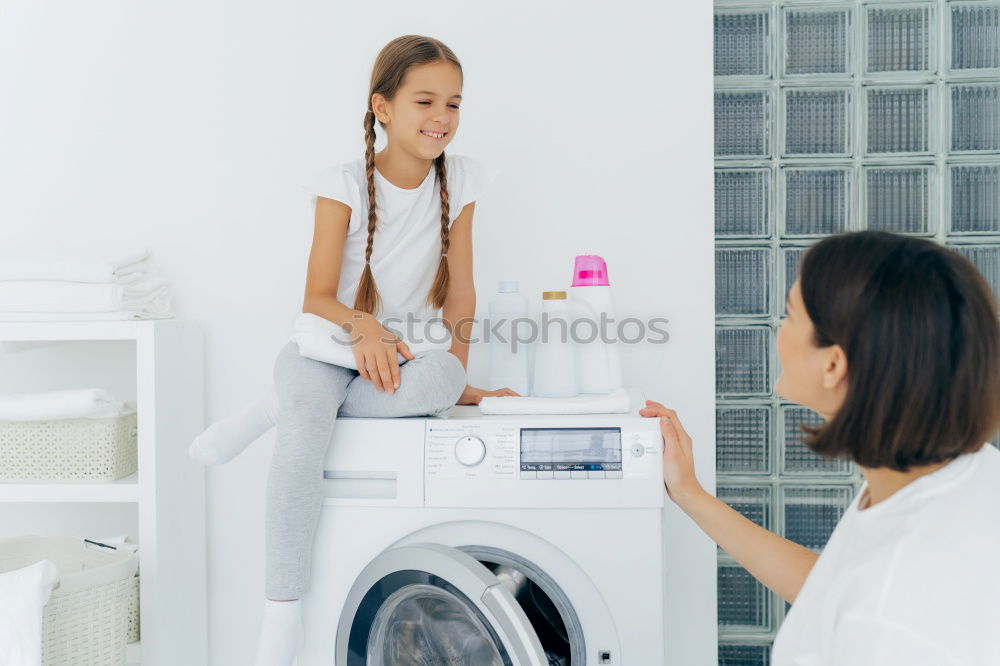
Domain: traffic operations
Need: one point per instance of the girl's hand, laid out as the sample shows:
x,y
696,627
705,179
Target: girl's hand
x,y
375,350
472,395
678,458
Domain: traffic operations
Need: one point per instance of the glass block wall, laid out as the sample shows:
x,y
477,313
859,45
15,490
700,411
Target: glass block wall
x,y
829,116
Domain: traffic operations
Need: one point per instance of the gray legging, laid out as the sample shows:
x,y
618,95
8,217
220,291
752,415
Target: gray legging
x,y
311,395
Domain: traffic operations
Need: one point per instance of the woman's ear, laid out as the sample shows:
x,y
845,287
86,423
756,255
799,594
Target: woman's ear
x,y
835,367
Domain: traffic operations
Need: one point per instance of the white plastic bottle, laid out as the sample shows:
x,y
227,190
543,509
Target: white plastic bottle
x,y
556,373
508,354
600,364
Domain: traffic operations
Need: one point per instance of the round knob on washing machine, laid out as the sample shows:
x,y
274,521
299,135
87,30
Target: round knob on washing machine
x,y
470,451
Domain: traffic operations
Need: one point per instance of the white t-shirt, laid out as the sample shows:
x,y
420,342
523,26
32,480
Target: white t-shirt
x,y
913,580
407,242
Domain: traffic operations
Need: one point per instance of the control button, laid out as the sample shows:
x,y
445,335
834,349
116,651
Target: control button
x,y
544,474
595,475
470,451
562,474
638,450
529,475
613,475
577,474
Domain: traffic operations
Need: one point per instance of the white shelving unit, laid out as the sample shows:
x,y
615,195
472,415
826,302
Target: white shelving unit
x,y
168,488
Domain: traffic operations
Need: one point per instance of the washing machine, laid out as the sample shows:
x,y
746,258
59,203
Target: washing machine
x,y
490,541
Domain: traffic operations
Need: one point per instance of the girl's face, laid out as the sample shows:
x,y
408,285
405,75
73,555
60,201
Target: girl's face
x,y
423,116
815,377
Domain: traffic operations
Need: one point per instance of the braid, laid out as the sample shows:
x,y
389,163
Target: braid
x,y
367,298
439,289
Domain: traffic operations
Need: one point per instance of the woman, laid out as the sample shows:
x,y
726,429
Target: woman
x,y
895,342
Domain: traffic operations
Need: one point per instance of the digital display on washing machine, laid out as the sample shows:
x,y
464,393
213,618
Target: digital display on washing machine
x,y
571,449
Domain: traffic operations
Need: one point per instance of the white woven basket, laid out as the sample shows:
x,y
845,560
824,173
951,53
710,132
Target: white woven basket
x,y
133,612
85,622
76,450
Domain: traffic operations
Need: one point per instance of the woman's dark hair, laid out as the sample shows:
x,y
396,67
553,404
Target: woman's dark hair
x,y
919,326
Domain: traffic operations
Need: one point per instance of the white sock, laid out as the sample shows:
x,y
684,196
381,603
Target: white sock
x,y
281,634
224,440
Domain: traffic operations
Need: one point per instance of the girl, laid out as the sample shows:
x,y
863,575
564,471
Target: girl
x,y
895,342
393,237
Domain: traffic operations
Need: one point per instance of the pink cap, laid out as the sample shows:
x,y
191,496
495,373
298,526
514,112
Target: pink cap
x,y
590,271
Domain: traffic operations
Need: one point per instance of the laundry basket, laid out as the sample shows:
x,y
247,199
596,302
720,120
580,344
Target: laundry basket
x,y
69,450
85,619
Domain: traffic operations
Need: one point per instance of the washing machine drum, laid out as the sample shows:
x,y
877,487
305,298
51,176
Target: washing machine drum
x,y
425,624
427,604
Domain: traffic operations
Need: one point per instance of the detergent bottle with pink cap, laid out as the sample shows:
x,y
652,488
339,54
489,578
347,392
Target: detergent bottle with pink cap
x,y
594,326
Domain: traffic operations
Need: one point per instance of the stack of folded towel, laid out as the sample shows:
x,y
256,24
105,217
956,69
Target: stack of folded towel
x,y
47,289
61,404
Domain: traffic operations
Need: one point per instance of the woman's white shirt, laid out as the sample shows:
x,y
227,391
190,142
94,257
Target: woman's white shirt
x,y
913,580
407,241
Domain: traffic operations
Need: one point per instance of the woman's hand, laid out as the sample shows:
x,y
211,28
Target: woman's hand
x,y
678,458
775,561
375,350
472,395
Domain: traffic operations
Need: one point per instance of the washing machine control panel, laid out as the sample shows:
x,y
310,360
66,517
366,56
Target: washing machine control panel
x,y
543,462
475,448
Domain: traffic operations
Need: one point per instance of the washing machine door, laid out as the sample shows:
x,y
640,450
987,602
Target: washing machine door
x,y
430,604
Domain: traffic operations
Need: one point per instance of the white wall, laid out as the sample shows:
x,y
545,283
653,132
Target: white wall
x,y
187,127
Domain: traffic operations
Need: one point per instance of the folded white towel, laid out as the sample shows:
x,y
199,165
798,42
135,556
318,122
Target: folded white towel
x,y
137,293
47,267
23,595
62,404
616,402
322,340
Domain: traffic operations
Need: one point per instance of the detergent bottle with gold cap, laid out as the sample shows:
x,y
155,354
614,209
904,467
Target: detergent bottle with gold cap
x,y
555,372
